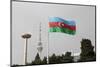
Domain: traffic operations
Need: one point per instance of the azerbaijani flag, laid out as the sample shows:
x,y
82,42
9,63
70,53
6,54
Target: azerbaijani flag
x,y
57,24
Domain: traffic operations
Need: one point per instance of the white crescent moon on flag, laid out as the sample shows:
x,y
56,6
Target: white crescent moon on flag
x,y
61,24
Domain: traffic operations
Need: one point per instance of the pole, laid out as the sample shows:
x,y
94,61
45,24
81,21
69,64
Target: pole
x,y
47,55
26,51
48,48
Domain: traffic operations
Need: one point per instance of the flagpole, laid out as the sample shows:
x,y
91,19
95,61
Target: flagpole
x,y
48,48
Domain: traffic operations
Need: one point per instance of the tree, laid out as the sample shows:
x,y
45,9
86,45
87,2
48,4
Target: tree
x,y
52,59
37,60
87,52
44,60
68,54
67,58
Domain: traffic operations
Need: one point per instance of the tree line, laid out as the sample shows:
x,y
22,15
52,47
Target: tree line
x,y
87,54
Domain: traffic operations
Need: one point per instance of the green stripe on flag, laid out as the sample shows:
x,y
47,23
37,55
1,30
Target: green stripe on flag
x,y
64,30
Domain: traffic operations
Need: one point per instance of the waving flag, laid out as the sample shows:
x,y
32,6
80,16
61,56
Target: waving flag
x,y
57,24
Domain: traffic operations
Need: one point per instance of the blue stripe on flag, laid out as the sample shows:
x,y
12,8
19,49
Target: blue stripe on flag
x,y
57,19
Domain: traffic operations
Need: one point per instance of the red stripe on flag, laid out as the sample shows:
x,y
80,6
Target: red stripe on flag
x,y
62,25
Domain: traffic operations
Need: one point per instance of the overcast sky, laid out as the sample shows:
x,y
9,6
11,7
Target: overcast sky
x,y
26,18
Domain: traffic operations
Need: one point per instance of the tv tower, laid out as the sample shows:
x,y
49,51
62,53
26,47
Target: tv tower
x,y
39,47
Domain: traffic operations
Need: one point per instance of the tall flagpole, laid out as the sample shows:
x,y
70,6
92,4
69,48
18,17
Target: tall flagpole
x,y
48,48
